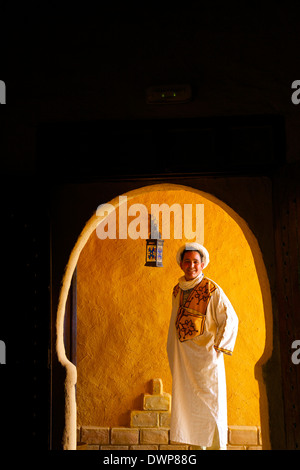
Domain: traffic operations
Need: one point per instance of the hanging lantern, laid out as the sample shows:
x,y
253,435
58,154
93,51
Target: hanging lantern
x,y
154,253
154,246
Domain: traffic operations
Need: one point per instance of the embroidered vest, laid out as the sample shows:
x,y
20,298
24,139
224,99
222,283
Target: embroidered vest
x,y
190,319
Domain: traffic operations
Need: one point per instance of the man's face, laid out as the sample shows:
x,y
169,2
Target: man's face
x,y
191,265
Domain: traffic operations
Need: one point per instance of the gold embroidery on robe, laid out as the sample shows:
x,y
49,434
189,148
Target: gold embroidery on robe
x,y
190,319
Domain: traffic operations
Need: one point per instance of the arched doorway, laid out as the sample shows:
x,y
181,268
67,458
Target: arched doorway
x,y
231,244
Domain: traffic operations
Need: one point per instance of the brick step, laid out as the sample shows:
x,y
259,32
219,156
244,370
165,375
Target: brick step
x,y
157,438
149,429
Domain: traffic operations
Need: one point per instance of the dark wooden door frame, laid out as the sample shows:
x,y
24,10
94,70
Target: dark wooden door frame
x,y
287,239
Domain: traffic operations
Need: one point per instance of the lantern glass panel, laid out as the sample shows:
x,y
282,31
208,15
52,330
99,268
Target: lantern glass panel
x,y
151,252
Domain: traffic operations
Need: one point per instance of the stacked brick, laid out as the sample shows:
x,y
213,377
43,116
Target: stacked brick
x,y
244,438
149,429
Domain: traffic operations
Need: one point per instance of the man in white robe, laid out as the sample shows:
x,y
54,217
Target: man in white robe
x,y
203,326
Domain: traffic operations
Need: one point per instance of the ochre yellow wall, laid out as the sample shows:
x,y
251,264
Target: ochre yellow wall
x,y
124,309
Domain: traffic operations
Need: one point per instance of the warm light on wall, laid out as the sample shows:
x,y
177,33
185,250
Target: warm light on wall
x,y
119,361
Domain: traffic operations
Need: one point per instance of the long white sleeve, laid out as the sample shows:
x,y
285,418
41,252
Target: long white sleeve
x,y
226,320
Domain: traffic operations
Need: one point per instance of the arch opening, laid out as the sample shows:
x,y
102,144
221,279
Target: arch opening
x,y
236,265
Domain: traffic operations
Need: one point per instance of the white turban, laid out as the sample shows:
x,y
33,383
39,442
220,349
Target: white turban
x,y
193,247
